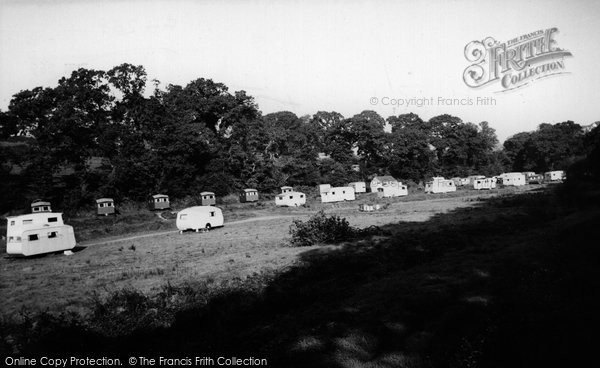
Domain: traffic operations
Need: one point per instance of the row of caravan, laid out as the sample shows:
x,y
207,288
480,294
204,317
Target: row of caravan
x,y
510,179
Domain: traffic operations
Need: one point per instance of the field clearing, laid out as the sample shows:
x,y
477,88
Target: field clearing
x,y
147,262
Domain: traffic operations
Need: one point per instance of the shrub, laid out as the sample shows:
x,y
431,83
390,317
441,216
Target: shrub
x,y
320,229
229,199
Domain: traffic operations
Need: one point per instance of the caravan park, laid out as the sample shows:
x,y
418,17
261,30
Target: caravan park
x,y
323,184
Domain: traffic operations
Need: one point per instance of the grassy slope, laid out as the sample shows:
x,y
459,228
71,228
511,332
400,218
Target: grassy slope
x,y
513,282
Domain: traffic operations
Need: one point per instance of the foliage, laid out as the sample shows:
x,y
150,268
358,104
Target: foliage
x,y
550,147
320,229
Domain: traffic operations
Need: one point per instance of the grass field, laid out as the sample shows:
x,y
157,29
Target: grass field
x,y
466,280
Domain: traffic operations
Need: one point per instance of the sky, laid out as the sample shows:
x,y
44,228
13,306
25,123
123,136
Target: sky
x,y
309,56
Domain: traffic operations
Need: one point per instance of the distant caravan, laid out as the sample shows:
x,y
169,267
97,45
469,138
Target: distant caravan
x,y
199,218
290,198
557,175
38,233
440,185
392,191
359,186
515,179
159,202
338,194
487,183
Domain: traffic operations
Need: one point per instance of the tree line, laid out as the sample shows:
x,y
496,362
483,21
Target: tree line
x,y
102,134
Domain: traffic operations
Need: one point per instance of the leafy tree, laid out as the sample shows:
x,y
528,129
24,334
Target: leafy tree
x,y
550,147
410,154
369,140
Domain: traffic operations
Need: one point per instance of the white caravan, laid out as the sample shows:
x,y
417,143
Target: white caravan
x,y
359,186
440,185
554,175
487,183
199,217
392,191
290,199
338,194
38,233
515,179
471,179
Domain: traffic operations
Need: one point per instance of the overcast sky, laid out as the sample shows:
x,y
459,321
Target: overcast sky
x,y
306,56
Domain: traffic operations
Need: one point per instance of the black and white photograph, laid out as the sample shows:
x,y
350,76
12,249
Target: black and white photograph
x,y
336,184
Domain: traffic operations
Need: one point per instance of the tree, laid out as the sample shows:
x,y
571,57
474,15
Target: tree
x,y
369,139
550,147
410,154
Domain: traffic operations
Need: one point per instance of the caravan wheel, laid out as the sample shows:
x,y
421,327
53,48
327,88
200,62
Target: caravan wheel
x,y
207,227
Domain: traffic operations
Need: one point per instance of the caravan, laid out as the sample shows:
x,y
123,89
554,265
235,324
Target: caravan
x,y
199,218
487,183
383,181
359,186
554,175
38,233
207,198
159,202
338,194
440,185
249,195
392,191
515,179
290,198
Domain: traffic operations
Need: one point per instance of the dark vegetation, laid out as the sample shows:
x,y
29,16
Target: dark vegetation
x,y
322,229
101,134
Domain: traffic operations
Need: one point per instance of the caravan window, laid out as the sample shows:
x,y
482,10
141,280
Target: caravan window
x,y
301,195
52,234
52,219
212,214
10,238
29,221
46,208
281,197
291,197
33,237
12,222
182,216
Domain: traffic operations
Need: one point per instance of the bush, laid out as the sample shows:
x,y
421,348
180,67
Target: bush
x,y
320,229
229,199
